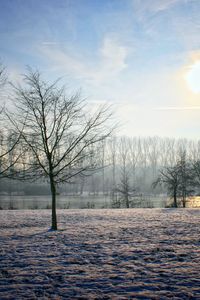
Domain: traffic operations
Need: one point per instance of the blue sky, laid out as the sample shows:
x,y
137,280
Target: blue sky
x,y
143,56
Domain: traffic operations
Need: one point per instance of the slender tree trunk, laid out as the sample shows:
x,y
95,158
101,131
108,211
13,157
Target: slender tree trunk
x,y
53,204
127,202
184,200
127,199
175,199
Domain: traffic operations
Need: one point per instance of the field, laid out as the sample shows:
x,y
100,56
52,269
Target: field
x,y
100,254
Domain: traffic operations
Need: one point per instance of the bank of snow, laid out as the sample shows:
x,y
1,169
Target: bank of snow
x,y
100,254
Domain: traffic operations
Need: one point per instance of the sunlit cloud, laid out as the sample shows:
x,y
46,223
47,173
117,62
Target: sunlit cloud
x,y
186,79
192,77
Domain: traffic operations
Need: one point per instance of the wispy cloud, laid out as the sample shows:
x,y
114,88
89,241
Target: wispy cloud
x,y
64,61
157,5
178,108
111,60
114,55
154,6
183,26
148,14
50,43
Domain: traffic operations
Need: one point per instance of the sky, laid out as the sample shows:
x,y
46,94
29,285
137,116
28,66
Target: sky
x,y
141,56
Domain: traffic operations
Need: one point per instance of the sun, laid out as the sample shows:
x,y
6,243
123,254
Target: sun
x,y
192,77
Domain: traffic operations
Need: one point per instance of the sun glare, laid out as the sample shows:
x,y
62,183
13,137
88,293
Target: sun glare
x,y
192,77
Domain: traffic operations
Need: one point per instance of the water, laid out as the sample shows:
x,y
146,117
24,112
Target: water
x,y
74,202
40,202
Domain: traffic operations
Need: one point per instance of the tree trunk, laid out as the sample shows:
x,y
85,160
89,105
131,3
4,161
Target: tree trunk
x,y
127,200
175,199
184,201
53,205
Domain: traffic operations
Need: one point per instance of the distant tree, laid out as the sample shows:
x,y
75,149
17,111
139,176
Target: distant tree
x,y
186,177
196,172
9,142
113,160
169,178
134,154
8,139
61,136
125,187
178,179
125,190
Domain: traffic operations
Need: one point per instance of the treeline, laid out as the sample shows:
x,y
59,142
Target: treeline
x,y
129,168
148,166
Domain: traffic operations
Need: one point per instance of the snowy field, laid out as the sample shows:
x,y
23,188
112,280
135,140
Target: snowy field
x,y
100,254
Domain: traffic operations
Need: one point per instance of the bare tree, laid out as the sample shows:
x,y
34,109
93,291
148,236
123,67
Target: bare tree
x,y
125,187
153,154
178,179
196,169
134,154
187,177
169,177
58,131
196,172
3,76
8,139
113,158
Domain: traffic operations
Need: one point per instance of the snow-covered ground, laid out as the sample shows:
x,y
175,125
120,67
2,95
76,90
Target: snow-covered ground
x,y
100,254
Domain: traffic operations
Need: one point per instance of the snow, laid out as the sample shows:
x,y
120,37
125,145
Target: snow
x,y
100,254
